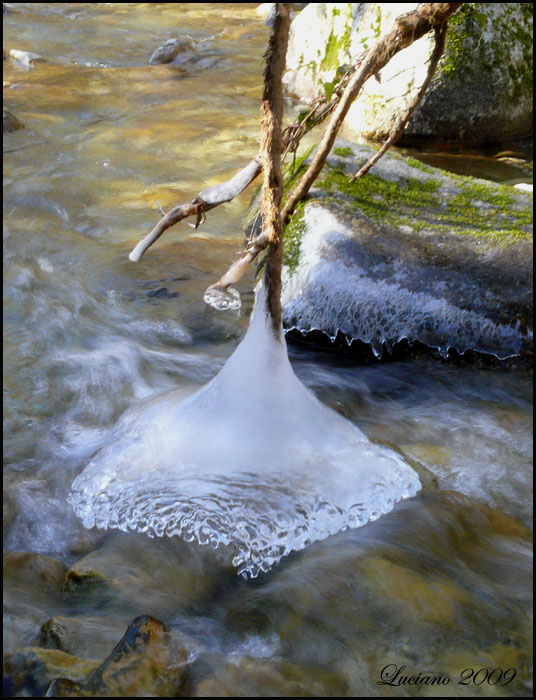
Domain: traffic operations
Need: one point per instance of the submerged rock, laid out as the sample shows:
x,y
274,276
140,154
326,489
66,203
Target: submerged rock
x,y
157,576
85,636
29,671
32,570
32,585
247,677
439,577
10,121
481,91
171,48
150,660
410,252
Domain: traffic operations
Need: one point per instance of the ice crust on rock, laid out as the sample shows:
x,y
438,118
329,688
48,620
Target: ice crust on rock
x,y
252,460
339,286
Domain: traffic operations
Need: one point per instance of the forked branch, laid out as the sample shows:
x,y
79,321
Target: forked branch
x,y
408,28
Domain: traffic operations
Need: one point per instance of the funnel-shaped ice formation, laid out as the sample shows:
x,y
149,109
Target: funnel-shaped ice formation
x,y
253,460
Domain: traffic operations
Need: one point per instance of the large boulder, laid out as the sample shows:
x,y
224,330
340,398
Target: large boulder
x,y
410,252
482,89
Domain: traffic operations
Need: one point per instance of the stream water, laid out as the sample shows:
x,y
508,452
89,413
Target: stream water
x,y
439,585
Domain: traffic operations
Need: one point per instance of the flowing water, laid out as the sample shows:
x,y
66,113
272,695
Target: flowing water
x,y
439,585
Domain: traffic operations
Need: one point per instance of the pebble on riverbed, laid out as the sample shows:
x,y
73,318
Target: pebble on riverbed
x,y
25,59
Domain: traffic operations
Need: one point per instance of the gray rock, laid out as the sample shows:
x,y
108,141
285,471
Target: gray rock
x,y
482,89
410,252
267,11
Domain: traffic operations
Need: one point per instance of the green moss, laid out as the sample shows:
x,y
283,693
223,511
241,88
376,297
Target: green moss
x,y
416,204
83,581
294,169
376,196
343,152
313,67
377,26
461,32
419,165
292,236
331,55
498,217
502,196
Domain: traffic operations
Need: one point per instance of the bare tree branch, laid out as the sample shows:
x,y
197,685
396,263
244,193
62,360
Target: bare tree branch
x,y
408,28
396,133
272,190
319,110
207,199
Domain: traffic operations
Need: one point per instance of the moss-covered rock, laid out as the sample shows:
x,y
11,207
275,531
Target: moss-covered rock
x,y
482,89
410,252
